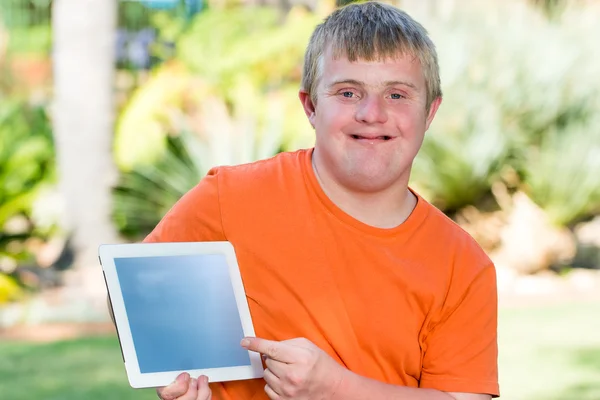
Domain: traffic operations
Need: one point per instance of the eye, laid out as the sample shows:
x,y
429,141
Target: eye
x,y
396,96
348,94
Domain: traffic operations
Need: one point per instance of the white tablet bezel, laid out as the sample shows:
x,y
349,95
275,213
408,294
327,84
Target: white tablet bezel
x,y
107,254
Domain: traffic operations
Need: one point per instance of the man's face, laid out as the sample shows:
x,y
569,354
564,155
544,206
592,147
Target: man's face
x,y
370,119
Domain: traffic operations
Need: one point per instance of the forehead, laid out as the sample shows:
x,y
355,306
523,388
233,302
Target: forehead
x,y
402,67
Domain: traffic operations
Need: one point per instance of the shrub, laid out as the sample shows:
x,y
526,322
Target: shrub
x,y
517,91
26,166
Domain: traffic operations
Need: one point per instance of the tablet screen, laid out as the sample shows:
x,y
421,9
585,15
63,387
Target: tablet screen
x,y
182,312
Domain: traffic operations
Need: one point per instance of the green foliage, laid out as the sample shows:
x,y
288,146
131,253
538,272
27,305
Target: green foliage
x,y
247,55
244,58
143,125
9,289
28,25
169,26
24,13
133,15
145,194
519,94
462,153
563,173
248,43
26,165
30,40
552,8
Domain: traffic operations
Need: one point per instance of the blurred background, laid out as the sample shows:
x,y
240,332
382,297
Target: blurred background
x,y
111,110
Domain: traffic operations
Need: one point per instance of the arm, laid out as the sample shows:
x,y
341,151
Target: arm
x,y
356,387
460,350
297,369
459,363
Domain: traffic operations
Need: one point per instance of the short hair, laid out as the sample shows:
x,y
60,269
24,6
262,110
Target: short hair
x,y
371,31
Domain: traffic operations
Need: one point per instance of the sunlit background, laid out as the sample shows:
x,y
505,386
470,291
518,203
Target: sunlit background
x,y
111,110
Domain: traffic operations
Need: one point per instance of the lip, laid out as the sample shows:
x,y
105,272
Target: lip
x,y
371,137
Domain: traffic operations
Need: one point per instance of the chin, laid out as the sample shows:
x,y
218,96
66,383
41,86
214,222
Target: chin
x,y
371,183
375,177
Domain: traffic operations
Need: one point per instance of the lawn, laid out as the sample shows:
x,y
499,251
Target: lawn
x,y
549,353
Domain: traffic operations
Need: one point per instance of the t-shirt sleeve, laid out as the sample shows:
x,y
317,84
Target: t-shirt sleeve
x,y
196,217
461,353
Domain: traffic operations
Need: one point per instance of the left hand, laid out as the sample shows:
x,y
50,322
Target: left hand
x,y
297,369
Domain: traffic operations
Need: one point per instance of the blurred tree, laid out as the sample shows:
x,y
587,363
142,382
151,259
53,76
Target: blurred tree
x,y
84,54
4,79
552,8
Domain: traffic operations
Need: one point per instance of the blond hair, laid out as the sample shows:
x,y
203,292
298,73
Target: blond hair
x,y
371,31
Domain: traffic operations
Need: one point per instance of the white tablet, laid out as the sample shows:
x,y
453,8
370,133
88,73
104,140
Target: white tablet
x,y
179,307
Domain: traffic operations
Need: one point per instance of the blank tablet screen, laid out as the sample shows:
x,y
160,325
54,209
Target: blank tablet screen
x,y
182,312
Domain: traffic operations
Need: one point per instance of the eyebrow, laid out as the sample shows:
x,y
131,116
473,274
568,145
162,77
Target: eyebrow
x,y
359,83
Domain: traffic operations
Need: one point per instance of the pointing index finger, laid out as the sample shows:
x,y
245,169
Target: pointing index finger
x,y
275,350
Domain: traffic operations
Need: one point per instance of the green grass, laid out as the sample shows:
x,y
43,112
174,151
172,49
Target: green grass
x,y
549,353
89,369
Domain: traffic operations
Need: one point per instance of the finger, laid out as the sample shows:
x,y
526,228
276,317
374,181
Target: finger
x,y
192,392
276,367
204,392
176,389
300,341
271,393
272,380
275,350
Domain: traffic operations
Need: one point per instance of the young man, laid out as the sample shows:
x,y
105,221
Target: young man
x,y
358,288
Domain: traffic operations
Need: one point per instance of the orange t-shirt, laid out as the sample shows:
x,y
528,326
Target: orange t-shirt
x,y
414,305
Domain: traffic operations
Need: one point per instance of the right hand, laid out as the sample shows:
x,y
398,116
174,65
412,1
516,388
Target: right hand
x,y
186,388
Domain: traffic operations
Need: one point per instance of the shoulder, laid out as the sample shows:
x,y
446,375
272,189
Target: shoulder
x,y
449,238
452,257
270,180
259,172
229,196
263,193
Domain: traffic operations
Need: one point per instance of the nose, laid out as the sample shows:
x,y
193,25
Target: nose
x,y
371,110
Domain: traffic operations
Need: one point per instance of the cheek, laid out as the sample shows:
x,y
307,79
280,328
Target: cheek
x,y
411,124
333,117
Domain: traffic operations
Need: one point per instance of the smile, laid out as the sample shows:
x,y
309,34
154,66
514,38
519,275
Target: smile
x,y
371,138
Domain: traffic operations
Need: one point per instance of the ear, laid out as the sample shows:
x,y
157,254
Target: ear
x,y
308,105
435,104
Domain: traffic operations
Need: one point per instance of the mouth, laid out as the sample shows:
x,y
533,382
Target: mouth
x,y
371,138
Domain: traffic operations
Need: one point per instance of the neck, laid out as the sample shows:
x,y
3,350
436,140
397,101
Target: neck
x,y
382,209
